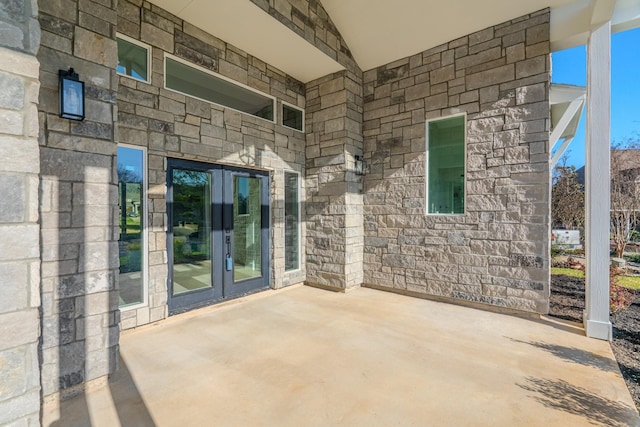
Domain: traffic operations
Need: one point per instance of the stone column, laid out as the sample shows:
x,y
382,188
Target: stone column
x,y
79,199
334,209
19,246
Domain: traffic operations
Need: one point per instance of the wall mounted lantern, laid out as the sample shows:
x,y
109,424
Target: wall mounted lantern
x,y
359,166
71,95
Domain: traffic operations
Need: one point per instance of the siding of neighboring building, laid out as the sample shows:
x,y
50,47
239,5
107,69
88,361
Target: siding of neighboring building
x,y
497,252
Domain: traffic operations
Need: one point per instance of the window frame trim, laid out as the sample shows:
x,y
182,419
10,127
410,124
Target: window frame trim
x,y
149,57
426,174
197,67
299,225
295,107
145,232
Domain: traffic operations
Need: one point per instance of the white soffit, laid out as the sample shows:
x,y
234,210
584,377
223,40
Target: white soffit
x,y
561,97
247,27
571,23
381,31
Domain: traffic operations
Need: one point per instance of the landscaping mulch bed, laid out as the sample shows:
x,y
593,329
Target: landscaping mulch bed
x,y
567,302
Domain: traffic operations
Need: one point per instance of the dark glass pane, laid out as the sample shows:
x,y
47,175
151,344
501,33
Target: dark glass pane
x,y
195,82
291,222
445,152
292,117
191,227
132,60
247,229
131,222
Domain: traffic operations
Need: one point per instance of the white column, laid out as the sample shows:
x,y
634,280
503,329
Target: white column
x,y
596,315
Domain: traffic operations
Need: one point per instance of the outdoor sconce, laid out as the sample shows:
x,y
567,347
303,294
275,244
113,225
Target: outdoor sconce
x,y
359,167
71,95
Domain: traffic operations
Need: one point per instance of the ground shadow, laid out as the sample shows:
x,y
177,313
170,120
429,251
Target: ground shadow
x,y
131,408
575,355
562,396
129,405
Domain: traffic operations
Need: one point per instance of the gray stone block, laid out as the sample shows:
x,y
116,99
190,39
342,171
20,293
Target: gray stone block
x,y
12,188
13,91
25,405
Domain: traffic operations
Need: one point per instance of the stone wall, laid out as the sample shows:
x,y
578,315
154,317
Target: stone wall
x,y
169,124
497,252
335,235
78,198
334,201
19,246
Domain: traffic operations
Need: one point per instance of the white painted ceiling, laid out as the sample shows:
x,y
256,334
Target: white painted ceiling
x,y
381,31
246,26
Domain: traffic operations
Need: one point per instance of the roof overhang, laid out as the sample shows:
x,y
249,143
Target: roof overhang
x,y
246,26
379,32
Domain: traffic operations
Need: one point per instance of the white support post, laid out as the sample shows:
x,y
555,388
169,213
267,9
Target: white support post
x,y
598,175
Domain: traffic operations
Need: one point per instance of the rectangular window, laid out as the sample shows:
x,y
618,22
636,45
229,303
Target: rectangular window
x,y
291,222
200,83
131,220
133,58
292,117
446,165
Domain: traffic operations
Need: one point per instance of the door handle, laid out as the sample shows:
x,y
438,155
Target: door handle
x,y
228,260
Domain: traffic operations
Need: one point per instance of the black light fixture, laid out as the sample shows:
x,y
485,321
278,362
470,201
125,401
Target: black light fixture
x,y
359,165
71,95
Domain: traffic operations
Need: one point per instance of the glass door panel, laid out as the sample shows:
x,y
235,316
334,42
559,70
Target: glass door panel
x,y
247,228
191,226
218,234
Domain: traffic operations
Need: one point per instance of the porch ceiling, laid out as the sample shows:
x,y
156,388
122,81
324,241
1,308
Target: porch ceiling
x,y
381,31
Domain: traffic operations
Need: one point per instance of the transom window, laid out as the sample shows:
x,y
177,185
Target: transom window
x,y
292,117
133,58
446,165
201,83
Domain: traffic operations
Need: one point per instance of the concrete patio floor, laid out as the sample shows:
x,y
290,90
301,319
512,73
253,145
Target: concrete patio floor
x,y
307,357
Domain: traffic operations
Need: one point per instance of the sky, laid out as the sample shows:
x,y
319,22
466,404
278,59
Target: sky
x,y
570,67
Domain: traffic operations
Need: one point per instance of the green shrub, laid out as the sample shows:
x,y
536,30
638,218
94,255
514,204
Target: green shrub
x,y
557,250
633,257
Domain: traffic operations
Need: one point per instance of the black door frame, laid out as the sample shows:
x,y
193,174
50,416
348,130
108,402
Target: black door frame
x,y
223,286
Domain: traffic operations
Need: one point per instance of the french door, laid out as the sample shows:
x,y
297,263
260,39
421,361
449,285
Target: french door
x,y
218,234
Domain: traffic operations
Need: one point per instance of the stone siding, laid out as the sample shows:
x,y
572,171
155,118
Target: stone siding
x,y
169,124
335,237
497,253
334,206
78,198
20,244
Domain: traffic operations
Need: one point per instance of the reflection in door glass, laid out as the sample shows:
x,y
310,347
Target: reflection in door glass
x,y
131,222
191,227
247,223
